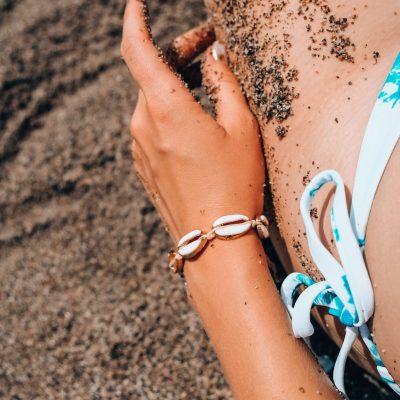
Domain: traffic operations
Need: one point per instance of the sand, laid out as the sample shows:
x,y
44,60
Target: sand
x,y
88,308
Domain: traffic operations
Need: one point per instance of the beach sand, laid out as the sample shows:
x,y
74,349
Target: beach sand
x,y
89,309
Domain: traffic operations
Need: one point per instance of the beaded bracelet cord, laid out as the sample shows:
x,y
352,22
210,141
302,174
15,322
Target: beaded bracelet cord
x,y
227,227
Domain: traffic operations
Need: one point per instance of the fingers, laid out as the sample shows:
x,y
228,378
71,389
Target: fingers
x,y
185,48
230,105
143,58
137,47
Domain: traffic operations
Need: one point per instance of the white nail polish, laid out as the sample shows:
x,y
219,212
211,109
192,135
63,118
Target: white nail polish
x,y
218,51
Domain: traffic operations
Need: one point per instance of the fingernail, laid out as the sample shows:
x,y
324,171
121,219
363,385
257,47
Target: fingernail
x,y
218,51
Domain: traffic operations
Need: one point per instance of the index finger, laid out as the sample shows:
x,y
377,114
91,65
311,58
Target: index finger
x,y
143,58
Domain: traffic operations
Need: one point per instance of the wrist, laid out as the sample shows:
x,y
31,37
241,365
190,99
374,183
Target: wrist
x,y
226,227
225,259
201,215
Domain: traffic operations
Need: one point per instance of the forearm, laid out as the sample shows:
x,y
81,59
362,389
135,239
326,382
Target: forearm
x,y
231,288
190,163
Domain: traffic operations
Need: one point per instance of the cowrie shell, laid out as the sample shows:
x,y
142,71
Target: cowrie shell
x,y
189,237
230,226
230,219
262,225
262,231
263,219
192,243
175,262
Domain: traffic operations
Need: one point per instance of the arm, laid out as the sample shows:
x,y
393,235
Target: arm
x,y
249,328
196,169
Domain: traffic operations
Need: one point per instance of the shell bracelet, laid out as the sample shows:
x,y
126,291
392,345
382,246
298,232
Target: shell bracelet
x,y
227,227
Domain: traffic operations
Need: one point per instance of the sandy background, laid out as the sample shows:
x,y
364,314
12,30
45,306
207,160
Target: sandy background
x,y
88,309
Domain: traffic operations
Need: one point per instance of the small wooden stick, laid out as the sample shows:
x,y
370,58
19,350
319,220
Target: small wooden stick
x,y
186,47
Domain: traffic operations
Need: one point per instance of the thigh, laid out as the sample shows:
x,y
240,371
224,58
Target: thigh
x,y
312,75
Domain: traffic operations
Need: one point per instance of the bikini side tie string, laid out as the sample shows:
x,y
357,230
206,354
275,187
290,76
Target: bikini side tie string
x,y
346,291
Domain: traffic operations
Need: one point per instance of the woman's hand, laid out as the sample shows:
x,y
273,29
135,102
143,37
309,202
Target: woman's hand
x,y
194,168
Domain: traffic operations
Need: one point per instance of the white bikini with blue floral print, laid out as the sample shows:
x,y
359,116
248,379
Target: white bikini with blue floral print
x,y
347,290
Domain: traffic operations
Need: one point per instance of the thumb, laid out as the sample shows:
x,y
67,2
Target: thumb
x,y
231,107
